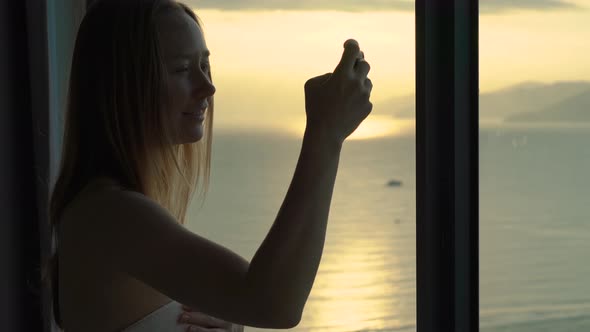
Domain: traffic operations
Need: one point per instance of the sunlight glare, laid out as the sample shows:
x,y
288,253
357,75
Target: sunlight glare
x,y
353,287
376,126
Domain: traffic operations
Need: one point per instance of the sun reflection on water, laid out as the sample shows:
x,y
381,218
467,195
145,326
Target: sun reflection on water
x,y
357,290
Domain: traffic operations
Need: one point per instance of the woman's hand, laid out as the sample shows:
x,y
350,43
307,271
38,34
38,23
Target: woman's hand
x,y
200,322
336,103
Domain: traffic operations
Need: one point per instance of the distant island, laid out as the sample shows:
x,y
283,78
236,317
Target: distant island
x,y
574,109
557,102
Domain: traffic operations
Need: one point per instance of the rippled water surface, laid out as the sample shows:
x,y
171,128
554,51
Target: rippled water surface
x,y
534,239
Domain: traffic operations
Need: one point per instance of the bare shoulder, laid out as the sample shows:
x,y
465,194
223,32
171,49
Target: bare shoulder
x,y
120,205
103,202
106,197
104,213
129,233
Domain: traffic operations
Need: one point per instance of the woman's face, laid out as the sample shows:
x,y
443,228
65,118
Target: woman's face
x,y
186,59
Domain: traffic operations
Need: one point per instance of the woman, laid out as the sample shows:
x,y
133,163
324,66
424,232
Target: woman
x,y
137,143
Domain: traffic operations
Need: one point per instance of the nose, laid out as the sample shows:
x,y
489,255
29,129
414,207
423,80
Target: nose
x,y
203,87
207,88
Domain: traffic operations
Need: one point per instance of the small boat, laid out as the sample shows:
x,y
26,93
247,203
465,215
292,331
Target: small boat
x,y
394,183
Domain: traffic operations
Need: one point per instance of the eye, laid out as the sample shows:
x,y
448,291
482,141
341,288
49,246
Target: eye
x,y
182,69
205,67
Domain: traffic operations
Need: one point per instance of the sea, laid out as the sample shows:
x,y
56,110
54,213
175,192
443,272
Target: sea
x,y
534,226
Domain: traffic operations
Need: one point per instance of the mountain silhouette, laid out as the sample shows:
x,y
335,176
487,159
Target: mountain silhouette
x,y
507,103
573,109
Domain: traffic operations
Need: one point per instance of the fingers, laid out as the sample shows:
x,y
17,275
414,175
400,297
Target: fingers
x,y
349,56
360,57
362,68
201,319
193,328
353,60
369,84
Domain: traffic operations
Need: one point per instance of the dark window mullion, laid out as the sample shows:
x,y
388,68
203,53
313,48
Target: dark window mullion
x,y
447,165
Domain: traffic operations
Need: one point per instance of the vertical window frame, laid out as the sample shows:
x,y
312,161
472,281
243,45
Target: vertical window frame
x,y
447,162
53,29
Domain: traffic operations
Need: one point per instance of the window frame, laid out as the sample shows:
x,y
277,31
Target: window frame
x,y
447,165
52,28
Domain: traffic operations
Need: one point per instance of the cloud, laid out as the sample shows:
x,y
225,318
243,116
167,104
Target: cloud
x,y
486,6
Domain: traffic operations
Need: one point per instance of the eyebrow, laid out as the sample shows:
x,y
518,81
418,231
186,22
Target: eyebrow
x,y
205,53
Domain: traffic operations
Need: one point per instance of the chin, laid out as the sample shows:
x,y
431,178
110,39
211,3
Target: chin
x,y
189,132
193,136
188,141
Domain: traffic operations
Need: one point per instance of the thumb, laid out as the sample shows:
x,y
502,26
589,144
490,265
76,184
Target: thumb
x,y
351,53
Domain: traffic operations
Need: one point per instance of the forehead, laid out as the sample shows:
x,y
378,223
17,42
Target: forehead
x,y
180,35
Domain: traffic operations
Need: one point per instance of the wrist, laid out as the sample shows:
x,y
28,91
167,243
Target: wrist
x,y
321,138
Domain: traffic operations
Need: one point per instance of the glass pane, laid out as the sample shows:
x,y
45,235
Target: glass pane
x,y
534,162
261,58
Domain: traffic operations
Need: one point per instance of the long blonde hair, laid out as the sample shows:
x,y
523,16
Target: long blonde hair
x,y
116,124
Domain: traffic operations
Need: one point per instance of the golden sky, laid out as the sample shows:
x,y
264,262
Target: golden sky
x,y
261,58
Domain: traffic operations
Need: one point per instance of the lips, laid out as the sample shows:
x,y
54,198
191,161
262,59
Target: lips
x,y
197,114
200,113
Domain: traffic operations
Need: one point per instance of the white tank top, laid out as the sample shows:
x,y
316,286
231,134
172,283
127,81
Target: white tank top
x,y
163,319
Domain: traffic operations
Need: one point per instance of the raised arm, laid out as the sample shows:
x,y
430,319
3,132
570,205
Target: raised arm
x,y
135,235
284,267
